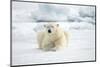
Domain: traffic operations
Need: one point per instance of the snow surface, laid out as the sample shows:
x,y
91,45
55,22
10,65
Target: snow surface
x,y
79,21
25,50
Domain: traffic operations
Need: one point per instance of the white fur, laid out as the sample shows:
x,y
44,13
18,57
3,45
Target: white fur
x,y
52,41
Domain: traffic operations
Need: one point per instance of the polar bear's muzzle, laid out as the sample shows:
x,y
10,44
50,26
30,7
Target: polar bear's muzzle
x,y
49,30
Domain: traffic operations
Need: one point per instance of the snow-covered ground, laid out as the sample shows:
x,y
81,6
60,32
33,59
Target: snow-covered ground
x,y
25,50
27,20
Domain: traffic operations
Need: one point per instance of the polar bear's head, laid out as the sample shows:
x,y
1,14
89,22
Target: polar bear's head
x,y
51,28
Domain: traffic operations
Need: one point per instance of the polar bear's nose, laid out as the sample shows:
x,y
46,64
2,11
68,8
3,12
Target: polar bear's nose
x,y
49,31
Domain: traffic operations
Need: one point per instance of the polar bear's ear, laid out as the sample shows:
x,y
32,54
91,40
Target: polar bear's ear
x,y
44,25
57,25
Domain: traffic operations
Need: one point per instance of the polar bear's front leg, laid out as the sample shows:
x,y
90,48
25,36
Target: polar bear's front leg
x,y
47,45
60,44
44,47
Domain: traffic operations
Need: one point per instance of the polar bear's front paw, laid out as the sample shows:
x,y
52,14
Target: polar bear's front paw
x,y
45,49
54,49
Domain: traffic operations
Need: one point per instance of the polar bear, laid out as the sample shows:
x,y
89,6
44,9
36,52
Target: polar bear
x,y
53,38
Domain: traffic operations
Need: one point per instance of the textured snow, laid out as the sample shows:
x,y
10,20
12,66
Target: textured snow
x,y
29,12
25,50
